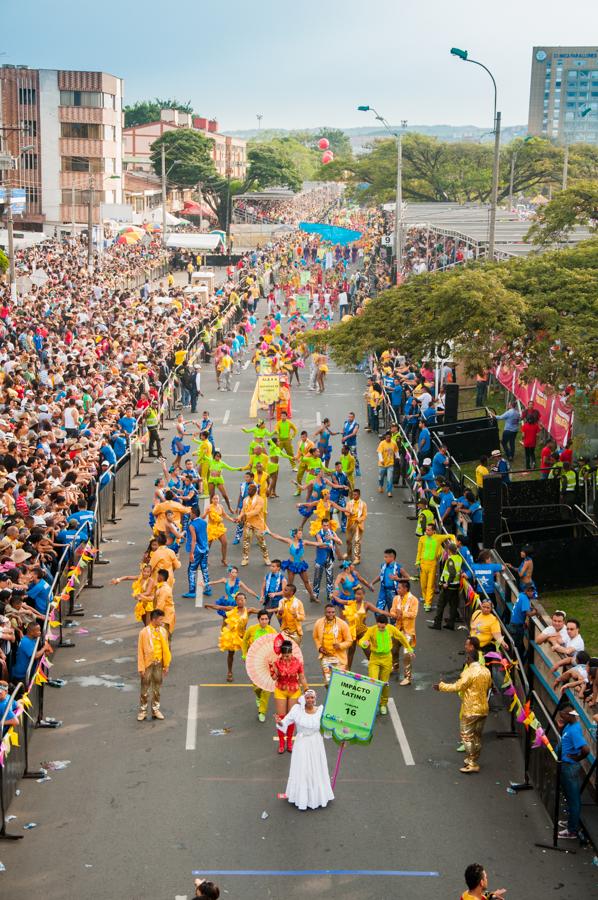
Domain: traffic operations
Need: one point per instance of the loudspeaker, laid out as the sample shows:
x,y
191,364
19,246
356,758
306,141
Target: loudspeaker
x,y
493,493
451,402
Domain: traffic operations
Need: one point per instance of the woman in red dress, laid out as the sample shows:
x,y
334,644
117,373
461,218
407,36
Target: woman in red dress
x,y
289,677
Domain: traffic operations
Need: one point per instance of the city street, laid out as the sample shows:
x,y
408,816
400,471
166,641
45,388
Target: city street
x,y
143,807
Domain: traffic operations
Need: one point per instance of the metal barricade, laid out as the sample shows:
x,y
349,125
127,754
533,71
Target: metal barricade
x,y
13,767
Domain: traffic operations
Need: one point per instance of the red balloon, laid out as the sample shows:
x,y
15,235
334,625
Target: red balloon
x,y
323,143
327,157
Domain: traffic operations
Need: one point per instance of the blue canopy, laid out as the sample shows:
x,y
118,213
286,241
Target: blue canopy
x,y
334,234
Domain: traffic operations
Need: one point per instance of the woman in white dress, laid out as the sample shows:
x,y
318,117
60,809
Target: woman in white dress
x,y
308,786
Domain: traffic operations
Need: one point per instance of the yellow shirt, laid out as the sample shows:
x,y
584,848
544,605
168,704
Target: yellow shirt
x,y
292,613
357,513
479,475
179,357
429,547
328,638
253,510
473,686
484,626
405,610
157,644
371,640
386,453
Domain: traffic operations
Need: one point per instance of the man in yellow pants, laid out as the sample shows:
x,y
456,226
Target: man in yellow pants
x,y
378,639
429,551
262,698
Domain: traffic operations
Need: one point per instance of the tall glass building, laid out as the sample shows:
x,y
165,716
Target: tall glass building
x,y
563,100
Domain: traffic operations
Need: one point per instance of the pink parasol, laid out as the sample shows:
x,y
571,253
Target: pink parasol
x,y
260,655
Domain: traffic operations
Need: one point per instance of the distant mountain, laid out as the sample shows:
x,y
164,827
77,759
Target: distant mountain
x,y
365,134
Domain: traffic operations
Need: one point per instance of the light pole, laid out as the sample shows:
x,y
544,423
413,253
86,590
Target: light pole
x,y
176,162
399,189
10,229
259,117
583,113
463,54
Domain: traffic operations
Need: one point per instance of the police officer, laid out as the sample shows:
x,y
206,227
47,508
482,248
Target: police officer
x,y
450,576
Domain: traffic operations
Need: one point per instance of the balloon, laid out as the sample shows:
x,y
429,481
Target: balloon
x,y
323,144
327,157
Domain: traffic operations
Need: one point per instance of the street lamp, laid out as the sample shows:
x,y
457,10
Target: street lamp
x,y
463,55
582,114
165,174
9,228
399,189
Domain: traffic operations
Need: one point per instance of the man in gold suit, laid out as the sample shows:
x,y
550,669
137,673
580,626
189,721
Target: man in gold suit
x,y
472,687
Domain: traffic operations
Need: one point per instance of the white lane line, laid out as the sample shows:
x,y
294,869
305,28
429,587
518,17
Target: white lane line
x,y
400,733
181,897
236,387
191,739
226,417
246,363
318,419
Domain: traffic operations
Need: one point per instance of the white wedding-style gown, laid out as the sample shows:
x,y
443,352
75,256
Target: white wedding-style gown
x,y
308,786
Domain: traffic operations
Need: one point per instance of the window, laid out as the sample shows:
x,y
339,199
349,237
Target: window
x,y
30,127
26,96
81,98
81,197
33,195
81,130
29,161
81,164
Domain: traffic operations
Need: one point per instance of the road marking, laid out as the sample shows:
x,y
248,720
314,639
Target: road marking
x,y
246,363
191,739
226,417
318,419
400,733
181,897
236,387
396,873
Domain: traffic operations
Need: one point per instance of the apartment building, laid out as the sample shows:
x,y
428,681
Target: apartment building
x,y
563,101
64,128
229,153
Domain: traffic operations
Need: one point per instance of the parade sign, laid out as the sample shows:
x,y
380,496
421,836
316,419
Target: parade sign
x,y
302,301
268,389
351,706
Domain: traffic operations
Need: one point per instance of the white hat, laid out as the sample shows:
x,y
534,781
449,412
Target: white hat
x,y
427,461
495,453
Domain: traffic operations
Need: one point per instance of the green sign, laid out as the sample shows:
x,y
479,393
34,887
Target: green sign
x,y
302,301
351,707
305,277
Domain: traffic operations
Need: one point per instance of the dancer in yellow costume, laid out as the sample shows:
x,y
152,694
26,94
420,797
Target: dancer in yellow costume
x,y
262,698
203,456
215,513
233,628
378,640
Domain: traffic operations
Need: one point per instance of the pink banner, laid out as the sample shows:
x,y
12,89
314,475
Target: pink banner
x,y
556,416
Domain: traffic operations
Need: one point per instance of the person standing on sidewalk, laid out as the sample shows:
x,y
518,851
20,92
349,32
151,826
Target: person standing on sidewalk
x,y
572,750
511,418
153,662
388,452
472,686
429,551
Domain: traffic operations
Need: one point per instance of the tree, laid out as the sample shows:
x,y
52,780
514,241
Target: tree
x,y
193,149
3,262
439,171
144,111
578,205
270,165
338,140
541,310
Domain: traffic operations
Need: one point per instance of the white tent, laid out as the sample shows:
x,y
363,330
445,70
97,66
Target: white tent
x,y
193,241
155,216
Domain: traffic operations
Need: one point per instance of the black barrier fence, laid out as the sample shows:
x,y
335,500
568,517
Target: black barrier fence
x,y
468,439
13,767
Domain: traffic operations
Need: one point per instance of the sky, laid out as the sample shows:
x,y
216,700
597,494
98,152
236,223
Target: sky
x,y
305,64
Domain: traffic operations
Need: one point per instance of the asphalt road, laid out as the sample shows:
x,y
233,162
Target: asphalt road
x,y
136,813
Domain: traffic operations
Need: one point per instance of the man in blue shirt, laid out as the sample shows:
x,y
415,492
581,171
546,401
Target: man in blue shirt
x,y
440,463
128,422
396,397
390,573
349,437
26,650
511,418
324,561
197,542
424,442
39,591
465,552
119,444
572,750
339,490
108,453
500,466
521,609
446,506
83,515
485,572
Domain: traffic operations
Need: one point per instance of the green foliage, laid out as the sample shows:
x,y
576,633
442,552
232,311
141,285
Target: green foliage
x,y
578,205
195,152
144,111
542,309
339,142
3,262
271,165
435,170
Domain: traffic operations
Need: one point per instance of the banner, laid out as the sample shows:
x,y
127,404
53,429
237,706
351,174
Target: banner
x,y
351,707
556,416
268,389
333,234
305,278
302,301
